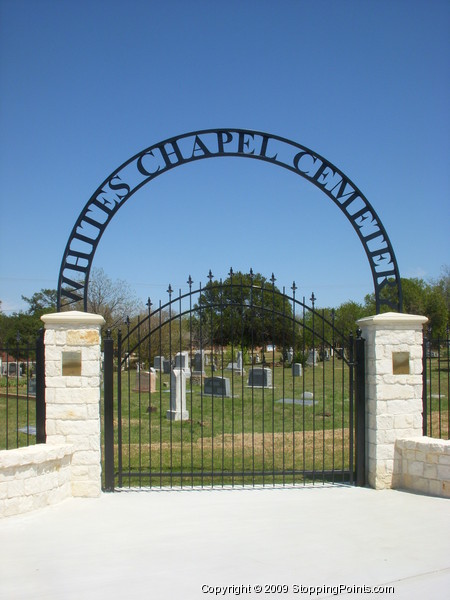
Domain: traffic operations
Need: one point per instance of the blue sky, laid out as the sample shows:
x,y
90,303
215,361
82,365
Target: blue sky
x,y
86,84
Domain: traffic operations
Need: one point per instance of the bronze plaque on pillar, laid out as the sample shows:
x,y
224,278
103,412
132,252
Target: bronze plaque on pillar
x,y
71,364
400,363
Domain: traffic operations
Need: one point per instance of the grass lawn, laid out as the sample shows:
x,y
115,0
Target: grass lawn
x,y
251,437
17,412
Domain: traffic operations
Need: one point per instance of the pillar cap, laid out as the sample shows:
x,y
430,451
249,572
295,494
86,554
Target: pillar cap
x,y
392,319
72,317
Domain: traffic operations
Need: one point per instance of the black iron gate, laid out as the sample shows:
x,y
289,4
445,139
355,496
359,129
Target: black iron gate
x,y
22,393
231,384
436,385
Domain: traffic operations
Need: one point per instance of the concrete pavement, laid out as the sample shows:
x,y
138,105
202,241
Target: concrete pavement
x,y
195,544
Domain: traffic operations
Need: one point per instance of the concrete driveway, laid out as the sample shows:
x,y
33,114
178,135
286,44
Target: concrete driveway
x,y
207,543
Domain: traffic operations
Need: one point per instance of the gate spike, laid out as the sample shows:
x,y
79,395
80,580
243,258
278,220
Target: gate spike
x,y
313,299
231,273
293,287
190,281
210,275
169,290
272,279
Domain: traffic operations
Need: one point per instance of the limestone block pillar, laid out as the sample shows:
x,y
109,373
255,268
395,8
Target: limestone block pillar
x,y
72,382
393,389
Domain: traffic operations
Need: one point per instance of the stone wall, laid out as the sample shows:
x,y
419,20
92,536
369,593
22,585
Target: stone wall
x,y
34,477
422,465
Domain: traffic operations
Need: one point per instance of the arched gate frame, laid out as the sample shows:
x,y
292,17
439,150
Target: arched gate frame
x,y
231,384
198,145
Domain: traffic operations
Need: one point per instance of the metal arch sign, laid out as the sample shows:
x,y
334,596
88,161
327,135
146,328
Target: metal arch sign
x,y
209,143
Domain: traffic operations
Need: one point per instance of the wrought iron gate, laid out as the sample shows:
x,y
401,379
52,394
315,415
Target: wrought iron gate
x,y
231,384
22,393
436,385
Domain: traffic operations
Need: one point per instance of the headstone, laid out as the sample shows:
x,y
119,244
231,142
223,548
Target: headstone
x,y
297,369
158,363
199,362
145,381
30,430
181,360
217,386
177,411
32,386
313,358
302,402
235,368
260,377
166,366
238,366
12,369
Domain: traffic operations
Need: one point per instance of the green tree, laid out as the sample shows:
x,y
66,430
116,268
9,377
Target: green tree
x,y
421,298
443,285
437,312
317,327
413,290
347,314
41,302
25,326
20,326
244,310
164,334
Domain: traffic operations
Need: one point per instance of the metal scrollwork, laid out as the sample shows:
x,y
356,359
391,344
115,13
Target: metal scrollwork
x,y
189,147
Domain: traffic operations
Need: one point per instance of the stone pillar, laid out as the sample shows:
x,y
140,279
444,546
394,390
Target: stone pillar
x,y
72,382
393,389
